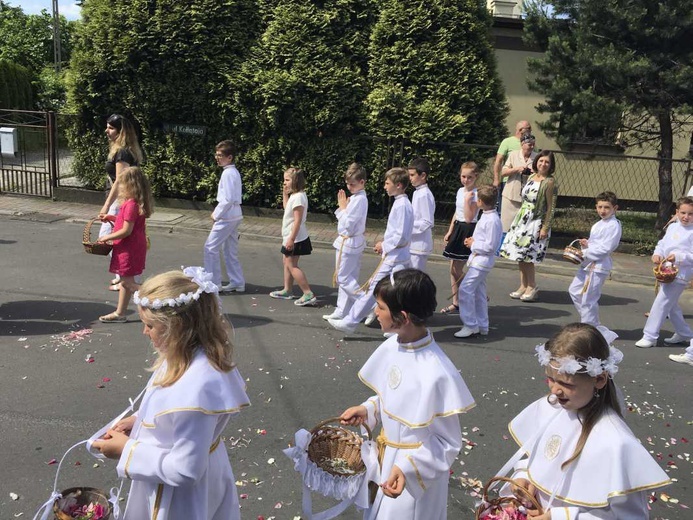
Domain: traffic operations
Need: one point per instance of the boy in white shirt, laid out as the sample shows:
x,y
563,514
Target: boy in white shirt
x,y
424,206
604,238
394,248
675,247
483,244
227,216
351,227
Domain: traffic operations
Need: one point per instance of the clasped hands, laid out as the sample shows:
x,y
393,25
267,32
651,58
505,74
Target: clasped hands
x,y
113,442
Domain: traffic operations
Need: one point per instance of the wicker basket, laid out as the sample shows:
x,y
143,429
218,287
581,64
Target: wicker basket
x,y
491,505
94,248
573,254
84,496
665,272
329,444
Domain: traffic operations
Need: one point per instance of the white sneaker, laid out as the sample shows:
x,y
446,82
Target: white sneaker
x,y
465,332
341,326
336,315
645,343
483,332
681,358
229,287
676,339
369,319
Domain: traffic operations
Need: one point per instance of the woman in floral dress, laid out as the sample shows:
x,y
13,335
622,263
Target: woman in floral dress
x,y
529,233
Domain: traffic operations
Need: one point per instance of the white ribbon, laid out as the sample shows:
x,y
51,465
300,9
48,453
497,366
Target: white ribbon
x,y
46,508
299,454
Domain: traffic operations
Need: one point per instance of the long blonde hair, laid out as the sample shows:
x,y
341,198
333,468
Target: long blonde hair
x,y
133,184
584,341
126,138
187,328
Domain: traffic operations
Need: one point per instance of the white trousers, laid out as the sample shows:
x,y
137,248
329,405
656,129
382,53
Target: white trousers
x,y
667,304
472,299
366,302
587,303
348,266
689,350
223,241
419,261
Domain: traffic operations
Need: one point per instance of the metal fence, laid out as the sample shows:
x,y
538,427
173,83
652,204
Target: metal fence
x,y
579,175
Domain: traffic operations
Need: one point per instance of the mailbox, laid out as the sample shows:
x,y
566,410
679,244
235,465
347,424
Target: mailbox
x,y
8,142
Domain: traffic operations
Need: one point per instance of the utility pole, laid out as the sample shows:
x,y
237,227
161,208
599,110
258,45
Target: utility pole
x,y
57,55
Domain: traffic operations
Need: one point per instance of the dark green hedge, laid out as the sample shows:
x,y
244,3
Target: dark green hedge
x,y
15,86
294,82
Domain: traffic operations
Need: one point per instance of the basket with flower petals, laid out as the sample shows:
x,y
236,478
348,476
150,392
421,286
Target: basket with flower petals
x,y
505,508
335,449
665,272
82,503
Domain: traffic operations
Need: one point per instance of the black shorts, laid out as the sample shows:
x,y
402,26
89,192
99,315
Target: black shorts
x,y
300,248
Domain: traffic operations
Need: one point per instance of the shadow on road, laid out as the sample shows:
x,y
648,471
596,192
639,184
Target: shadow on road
x,y
36,317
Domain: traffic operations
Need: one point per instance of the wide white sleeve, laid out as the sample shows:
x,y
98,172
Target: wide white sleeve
x,y
632,506
606,244
442,441
424,210
349,220
183,463
225,195
373,407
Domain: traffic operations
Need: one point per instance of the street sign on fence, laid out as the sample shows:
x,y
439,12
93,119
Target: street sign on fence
x,y
178,128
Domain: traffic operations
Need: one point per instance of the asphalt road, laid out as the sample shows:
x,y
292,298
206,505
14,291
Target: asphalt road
x,y
298,370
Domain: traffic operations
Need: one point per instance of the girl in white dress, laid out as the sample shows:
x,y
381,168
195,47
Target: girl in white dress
x,y
579,458
418,396
171,448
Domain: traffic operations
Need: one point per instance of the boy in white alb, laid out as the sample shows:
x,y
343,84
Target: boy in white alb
x,y
483,244
351,227
394,248
424,206
605,235
676,247
227,216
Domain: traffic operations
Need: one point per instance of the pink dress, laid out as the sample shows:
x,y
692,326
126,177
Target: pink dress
x,y
130,252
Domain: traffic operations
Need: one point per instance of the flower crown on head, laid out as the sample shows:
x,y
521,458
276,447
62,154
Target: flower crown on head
x,y
570,365
198,275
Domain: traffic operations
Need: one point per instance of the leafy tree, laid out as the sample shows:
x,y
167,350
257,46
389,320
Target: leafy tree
x,y
612,66
301,95
27,39
161,62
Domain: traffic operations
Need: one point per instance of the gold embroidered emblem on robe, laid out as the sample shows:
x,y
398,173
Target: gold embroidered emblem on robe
x,y
552,447
394,378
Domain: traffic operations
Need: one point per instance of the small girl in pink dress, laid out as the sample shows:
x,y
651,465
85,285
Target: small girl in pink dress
x,y
129,238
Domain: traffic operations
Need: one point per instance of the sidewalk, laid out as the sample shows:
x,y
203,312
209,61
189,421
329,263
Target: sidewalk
x,y
627,268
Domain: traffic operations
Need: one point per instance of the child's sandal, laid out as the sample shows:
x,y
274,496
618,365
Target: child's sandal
x,y
113,318
450,309
281,295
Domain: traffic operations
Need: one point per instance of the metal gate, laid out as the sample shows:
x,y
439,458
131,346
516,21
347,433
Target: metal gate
x,y
28,158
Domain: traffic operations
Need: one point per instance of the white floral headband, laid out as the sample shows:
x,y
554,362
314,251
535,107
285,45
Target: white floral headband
x,y
570,365
198,275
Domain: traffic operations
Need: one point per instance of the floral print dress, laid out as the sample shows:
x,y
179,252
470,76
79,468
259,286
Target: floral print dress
x,y
522,242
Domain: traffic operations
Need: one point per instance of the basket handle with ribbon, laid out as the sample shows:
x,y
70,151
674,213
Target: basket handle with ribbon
x,y
573,253
500,501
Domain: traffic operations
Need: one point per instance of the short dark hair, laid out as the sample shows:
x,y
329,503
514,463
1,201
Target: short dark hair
x,y
355,172
227,147
413,292
487,194
607,196
552,158
420,164
398,176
